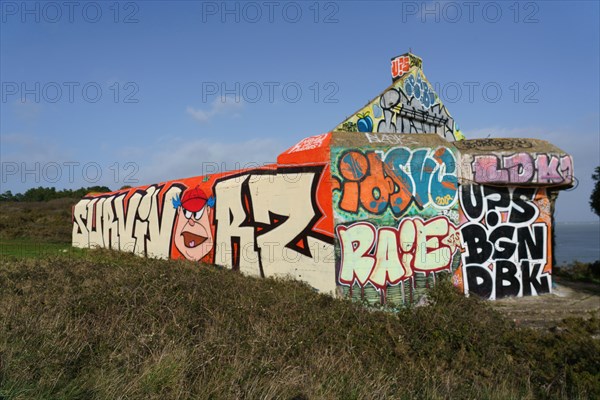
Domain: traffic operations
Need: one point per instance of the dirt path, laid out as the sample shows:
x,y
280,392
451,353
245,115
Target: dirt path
x,y
568,299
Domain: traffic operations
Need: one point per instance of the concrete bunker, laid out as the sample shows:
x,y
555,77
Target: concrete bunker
x,y
379,208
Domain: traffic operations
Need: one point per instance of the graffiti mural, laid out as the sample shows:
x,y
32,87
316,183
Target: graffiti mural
x,y
396,218
395,181
404,112
386,255
522,168
402,218
505,237
265,222
402,64
138,221
193,233
410,105
381,219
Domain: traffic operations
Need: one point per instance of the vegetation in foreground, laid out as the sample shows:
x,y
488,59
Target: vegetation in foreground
x,y
105,325
579,272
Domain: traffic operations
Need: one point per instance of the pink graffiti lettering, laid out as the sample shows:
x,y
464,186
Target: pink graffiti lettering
x,y
522,168
552,169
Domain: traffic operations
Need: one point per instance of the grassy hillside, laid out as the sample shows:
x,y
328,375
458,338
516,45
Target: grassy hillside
x,y
45,221
105,325
101,325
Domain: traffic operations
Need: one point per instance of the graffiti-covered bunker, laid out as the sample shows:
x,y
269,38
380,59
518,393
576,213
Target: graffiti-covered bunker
x,y
379,208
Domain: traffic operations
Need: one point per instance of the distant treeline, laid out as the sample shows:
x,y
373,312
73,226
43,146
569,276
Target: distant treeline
x,y
46,194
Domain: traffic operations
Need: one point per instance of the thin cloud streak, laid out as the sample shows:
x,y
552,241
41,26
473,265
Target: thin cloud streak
x,y
217,108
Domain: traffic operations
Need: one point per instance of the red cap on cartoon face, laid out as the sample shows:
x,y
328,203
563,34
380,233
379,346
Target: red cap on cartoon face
x,y
194,199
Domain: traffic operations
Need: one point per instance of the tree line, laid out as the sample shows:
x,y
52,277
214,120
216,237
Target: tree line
x,y
50,193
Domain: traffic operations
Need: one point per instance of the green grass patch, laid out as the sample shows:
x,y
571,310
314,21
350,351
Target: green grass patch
x,y
30,248
36,229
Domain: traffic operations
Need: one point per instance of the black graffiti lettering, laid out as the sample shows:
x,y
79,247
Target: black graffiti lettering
x,y
492,218
480,281
507,247
479,249
522,210
501,233
471,201
417,112
530,278
496,197
506,272
528,247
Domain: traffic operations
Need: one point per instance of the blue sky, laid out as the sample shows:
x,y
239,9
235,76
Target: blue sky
x,y
142,92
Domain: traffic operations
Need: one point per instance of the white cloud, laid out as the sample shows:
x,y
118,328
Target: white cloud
x,y
218,107
26,110
164,159
182,158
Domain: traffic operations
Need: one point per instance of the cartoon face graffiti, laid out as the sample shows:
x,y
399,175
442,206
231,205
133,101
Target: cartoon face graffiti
x,y
193,233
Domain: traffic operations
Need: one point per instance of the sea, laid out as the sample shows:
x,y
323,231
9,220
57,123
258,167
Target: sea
x,y
577,241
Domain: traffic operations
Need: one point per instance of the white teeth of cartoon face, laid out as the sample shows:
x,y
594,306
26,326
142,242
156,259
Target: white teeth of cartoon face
x,y
192,243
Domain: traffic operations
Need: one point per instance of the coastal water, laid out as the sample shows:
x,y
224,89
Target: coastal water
x,y
577,241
